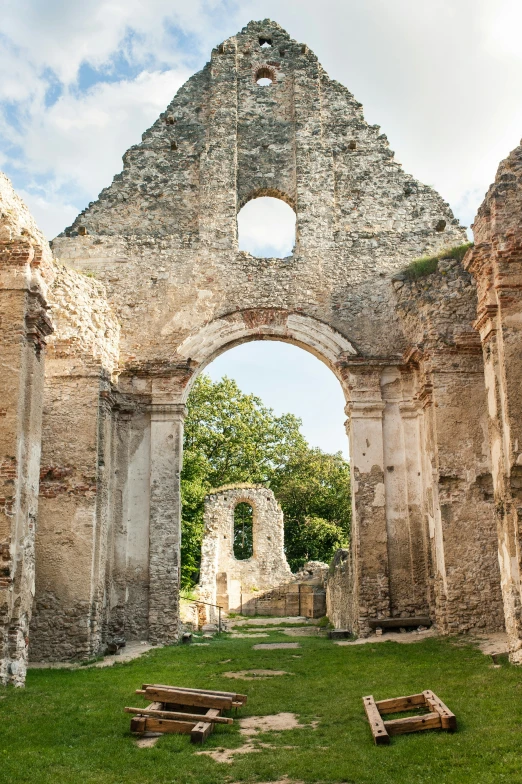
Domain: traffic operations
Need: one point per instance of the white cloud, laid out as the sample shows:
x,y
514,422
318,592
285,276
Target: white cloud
x,y
79,141
50,212
266,228
61,35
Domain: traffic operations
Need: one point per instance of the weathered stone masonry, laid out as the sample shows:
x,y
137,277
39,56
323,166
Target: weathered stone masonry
x,y
496,264
225,580
26,271
149,287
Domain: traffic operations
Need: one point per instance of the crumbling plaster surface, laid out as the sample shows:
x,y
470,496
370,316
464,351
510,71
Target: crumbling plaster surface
x,y
438,311
26,271
496,265
226,580
81,424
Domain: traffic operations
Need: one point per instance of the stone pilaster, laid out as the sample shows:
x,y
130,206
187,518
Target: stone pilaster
x,y
464,579
369,531
402,480
166,454
117,561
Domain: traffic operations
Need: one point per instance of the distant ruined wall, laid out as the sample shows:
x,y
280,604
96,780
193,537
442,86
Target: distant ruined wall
x,y
26,271
340,591
226,580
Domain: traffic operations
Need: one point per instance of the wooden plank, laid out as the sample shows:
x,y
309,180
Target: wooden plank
x,y
182,697
202,730
377,726
138,724
398,704
448,719
180,716
429,721
236,697
164,725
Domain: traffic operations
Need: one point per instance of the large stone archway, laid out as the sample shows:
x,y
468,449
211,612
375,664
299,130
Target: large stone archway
x,y
153,287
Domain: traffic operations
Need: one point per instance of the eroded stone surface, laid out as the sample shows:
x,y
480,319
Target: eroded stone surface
x,y
26,272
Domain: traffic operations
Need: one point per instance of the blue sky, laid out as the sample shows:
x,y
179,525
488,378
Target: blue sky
x,y
82,80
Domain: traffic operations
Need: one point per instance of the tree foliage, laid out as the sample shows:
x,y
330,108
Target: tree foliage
x,y
232,437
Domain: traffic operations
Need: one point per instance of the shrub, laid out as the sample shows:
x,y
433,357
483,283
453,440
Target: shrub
x,y
427,265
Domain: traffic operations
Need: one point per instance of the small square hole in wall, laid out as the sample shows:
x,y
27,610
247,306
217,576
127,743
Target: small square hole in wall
x,y
265,43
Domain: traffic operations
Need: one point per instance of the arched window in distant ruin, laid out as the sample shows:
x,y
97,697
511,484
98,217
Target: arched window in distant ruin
x,y
243,531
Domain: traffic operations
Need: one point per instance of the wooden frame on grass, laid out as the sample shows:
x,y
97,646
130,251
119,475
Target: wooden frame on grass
x,y
439,716
175,709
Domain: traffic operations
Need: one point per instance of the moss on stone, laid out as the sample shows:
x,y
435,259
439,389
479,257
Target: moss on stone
x,y
427,265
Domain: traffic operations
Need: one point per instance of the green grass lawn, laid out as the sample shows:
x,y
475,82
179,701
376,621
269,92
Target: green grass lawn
x,y
69,726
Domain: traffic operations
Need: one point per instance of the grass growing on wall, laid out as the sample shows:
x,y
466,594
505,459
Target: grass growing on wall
x,y
428,264
69,726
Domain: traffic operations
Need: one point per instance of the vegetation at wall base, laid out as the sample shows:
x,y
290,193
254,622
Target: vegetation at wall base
x,y
69,726
230,438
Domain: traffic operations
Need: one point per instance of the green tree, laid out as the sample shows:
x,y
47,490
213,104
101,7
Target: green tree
x,y
232,437
313,488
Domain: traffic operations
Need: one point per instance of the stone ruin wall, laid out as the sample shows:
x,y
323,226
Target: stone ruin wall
x,y
161,243
496,265
339,591
76,471
26,271
233,583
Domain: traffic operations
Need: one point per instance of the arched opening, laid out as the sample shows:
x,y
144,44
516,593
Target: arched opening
x,y
243,531
268,414
267,228
264,76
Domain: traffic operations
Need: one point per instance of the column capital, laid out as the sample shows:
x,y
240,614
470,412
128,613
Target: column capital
x,y
365,409
163,412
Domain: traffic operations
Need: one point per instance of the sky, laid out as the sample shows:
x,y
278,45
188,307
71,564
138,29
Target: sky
x,y
81,81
